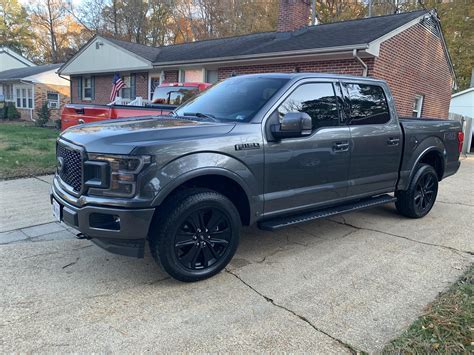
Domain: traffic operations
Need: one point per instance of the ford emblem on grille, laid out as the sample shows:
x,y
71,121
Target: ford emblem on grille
x,y
60,164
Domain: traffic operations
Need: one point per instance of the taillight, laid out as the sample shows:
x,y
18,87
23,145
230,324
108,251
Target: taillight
x,y
460,141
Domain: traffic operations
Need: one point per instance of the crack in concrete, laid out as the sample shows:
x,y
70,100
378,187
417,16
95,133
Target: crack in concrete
x,y
271,254
288,241
319,236
349,347
454,250
73,263
158,280
39,238
37,178
455,203
34,225
42,254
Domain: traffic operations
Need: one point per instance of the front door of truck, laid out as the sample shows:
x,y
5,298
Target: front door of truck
x,y
307,171
376,140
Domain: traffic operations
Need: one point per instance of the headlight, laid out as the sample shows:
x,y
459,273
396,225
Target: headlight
x,y
123,172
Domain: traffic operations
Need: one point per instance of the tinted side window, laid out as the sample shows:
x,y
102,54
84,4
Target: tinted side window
x,y
368,104
317,100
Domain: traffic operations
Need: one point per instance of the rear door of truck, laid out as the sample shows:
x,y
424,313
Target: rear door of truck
x,y
376,139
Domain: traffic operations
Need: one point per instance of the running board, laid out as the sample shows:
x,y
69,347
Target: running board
x,y
281,222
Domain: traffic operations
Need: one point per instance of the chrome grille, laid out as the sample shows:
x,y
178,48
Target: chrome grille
x,y
71,170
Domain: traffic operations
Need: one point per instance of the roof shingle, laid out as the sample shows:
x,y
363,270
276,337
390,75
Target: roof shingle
x,y
345,33
20,73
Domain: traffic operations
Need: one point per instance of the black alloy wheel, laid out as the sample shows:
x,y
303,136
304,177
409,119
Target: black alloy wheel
x,y
418,199
202,238
425,193
195,234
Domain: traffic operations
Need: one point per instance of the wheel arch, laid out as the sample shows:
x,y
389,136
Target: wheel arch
x,y
430,151
432,156
220,180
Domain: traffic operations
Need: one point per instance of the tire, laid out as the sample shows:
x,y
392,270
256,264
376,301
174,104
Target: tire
x,y
421,194
196,235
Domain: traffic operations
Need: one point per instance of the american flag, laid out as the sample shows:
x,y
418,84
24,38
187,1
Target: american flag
x,y
117,84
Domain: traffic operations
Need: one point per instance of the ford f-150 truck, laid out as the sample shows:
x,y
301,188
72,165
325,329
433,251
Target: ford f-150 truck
x,y
271,149
166,98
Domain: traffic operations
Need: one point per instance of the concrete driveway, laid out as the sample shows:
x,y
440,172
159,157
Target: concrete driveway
x,y
350,283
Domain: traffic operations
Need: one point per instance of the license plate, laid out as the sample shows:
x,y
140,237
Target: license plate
x,y
56,210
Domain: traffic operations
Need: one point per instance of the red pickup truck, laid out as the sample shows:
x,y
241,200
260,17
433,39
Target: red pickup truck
x,y
166,98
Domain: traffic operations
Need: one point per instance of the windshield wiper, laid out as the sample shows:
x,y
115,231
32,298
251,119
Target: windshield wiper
x,y
202,115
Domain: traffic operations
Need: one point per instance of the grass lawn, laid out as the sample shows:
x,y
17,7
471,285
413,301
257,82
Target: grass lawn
x,y
447,327
26,150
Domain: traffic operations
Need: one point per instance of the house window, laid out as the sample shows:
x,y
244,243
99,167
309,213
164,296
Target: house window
x,y
193,75
128,91
86,88
53,99
417,106
8,92
30,98
211,76
23,97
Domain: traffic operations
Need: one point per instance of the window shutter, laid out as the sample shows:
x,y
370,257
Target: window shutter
x,y
133,90
92,87
79,87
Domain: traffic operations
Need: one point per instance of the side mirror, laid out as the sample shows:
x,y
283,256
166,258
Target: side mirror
x,y
293,124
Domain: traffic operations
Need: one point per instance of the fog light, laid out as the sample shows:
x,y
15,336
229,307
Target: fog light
x,y
104,221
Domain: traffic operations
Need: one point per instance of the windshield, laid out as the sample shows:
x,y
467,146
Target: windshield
x,y
173,95
235,99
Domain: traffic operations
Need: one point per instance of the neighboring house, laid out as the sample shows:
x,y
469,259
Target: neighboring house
x,y
28,88
407,50
9,59
462,103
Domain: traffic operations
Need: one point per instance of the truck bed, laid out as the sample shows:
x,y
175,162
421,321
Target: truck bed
x,y
421,134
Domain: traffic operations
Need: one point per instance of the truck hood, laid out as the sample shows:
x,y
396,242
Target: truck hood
x,y
122,136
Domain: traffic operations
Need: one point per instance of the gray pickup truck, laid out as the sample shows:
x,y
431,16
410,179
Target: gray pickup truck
x,y
271,149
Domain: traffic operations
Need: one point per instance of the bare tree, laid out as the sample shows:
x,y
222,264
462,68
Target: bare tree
x,y
49,15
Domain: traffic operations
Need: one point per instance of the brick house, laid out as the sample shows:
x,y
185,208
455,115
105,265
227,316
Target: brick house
x,y
407,50
29,87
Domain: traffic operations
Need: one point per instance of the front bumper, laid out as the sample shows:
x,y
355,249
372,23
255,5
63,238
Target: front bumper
x,y
118,230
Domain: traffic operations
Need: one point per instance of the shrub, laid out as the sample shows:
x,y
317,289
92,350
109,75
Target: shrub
x,y
11,112
43,113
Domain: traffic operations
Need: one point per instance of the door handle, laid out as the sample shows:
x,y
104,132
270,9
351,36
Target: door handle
x,y
393,141
340,146
80,120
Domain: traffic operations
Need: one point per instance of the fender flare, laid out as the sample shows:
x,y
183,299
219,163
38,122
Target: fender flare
x,y
173,176
422,155
412,155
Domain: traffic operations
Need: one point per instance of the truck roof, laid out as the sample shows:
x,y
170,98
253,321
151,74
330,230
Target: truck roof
x,y
292,76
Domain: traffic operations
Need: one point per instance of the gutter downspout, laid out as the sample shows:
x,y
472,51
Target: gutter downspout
x,y
364,65
70,86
